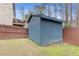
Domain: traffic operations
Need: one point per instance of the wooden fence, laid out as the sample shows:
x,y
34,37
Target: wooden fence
x,y
71,36
12,32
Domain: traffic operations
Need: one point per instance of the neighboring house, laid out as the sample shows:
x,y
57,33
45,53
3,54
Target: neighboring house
x,y
18,22
26,19
7,13
44,29
25,25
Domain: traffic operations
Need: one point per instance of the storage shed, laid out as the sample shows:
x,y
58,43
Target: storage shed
x,y
44,29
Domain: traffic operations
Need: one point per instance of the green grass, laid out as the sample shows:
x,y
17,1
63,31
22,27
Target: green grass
x,y
60,50
27,47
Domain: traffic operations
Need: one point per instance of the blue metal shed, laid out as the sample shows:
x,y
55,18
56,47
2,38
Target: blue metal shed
x,y
44,29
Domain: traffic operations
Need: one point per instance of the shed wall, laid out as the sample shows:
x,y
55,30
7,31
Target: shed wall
x,y
50,32
34,29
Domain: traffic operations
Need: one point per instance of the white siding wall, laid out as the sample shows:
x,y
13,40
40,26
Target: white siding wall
x,y
6,13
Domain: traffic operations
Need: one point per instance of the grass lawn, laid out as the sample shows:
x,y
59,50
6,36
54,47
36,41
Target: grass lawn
x,y
27,47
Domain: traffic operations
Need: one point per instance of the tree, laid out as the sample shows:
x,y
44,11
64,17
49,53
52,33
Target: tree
x,y
77,15
66,15
71,20
22,12
28,15
61,10
49,9
55,10
39,9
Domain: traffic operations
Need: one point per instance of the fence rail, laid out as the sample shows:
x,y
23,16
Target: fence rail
x,y
12,32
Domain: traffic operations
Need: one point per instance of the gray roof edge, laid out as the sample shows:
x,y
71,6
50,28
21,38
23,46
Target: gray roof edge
x,y
44,16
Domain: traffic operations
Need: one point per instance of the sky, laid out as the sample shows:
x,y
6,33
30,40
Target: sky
x,y
28,6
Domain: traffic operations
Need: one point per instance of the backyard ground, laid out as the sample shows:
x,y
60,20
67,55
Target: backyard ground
x,y
27,47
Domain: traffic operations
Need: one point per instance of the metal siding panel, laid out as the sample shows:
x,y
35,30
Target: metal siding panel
x,y
34,29
50,32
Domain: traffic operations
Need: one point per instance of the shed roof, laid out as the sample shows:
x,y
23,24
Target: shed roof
x,y
46,18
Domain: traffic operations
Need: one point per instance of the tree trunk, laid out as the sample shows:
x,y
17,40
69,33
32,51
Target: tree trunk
x,y
71,20
66,14
77,16
49,10
55,10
